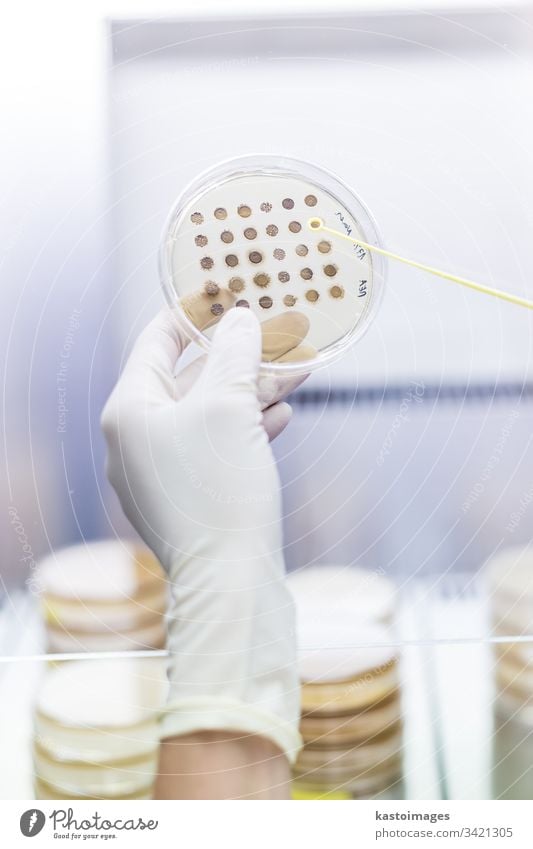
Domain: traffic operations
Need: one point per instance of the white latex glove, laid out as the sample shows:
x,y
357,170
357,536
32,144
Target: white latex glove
x,y
190,460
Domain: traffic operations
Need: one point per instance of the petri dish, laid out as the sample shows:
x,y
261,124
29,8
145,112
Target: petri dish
x,y
241,235
95,711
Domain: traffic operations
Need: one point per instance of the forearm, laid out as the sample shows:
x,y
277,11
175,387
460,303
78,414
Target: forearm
x,y
221,765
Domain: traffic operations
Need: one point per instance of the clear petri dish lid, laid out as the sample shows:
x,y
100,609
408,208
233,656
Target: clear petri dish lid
x,y
241,235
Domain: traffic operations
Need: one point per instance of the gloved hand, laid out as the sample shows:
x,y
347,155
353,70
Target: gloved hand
x,y
190,460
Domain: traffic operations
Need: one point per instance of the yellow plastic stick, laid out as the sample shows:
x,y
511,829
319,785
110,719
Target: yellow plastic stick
x,y
317,224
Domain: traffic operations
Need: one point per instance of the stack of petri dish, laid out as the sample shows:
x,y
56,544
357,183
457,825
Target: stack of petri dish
x,y
510,587
103,596
351,718
96,729
509,581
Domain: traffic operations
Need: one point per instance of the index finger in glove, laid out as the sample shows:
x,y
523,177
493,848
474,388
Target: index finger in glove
x,y
281,336
281,341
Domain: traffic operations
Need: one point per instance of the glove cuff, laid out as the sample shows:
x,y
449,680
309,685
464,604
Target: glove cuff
x,y
187,716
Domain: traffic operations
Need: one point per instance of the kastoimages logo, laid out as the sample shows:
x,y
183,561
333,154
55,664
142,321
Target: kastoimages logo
x,y
32,822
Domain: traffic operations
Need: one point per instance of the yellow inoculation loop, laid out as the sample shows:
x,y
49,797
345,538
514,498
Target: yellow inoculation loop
x,y
317,224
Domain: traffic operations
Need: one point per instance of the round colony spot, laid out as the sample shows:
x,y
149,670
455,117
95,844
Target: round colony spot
x,y
278,253
266,302
201,241
284,277
265,206
255,257
310,200
211,288
301,250
236,284
262,280
324,247
242,303
306,273
330,270
287,203
244,211
295,226
207,263
336,292
220,213
250,233
272,230
197,218
289,300
217,309
226,237
312,295
232,260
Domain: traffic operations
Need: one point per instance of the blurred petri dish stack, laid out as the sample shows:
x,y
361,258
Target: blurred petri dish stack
x,y
509,581
110,595
351,718
96,729
510,587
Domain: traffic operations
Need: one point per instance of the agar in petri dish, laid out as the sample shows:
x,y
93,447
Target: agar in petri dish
x,y
230,202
